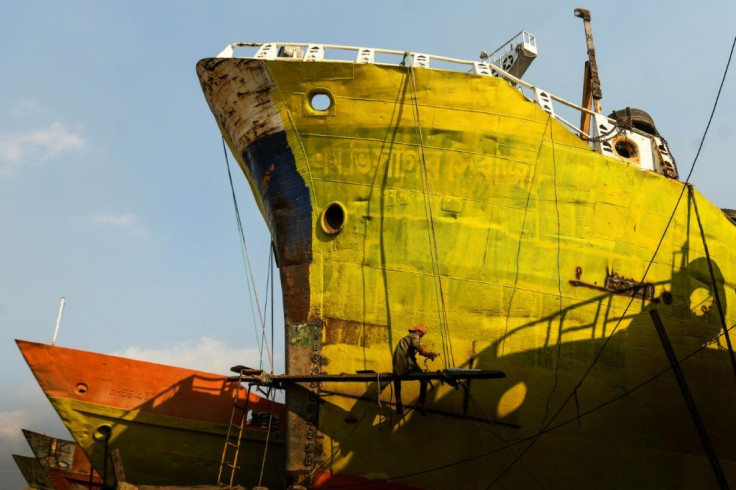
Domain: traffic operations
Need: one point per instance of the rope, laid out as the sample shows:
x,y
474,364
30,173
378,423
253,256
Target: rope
x,y
378,390
268,437
269,282
717,297
446,348
559,280
712,112
246,259
656,251
518,247
272,260
479,410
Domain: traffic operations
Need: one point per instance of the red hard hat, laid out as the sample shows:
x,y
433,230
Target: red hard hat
x,y
419,328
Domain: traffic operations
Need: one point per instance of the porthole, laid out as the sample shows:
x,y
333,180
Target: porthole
x,y
102,433
333,218
320,102
626,148
81,388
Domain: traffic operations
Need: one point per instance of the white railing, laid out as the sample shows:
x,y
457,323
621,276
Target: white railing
x,y
317,52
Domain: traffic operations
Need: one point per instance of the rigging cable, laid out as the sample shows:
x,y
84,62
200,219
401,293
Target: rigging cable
x,y
269,295
521,235
656,251
449,356
246,260
717,297
559,279
268,436
498,433
272,260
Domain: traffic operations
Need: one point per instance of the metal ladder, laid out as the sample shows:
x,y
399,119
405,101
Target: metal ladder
x,y
231,450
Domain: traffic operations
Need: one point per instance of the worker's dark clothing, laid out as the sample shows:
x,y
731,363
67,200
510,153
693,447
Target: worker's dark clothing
x,y
405,354
405,362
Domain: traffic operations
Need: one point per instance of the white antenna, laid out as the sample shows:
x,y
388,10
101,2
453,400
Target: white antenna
x,y
58,320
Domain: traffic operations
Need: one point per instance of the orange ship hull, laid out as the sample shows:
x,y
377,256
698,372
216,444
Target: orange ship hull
x,y
168,424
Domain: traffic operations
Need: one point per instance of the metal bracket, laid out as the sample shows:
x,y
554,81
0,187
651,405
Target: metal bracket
x,y
666,162
315,52
480,68
365,55
420,60
544,101
267,52
602,128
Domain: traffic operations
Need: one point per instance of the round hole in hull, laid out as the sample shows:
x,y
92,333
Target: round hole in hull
x,y
102,433
333,218
320,101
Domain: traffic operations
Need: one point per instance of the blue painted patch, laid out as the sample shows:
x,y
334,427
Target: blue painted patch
x,y
285,197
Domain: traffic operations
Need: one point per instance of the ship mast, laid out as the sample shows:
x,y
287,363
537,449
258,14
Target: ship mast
x,y
592,93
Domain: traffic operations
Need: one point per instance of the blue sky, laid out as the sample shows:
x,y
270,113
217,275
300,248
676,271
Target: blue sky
x,y
113,188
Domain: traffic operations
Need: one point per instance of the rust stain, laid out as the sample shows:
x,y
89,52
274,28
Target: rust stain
x,y
341,331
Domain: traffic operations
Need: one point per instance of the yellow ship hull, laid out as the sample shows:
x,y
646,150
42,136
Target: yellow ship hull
x,y
451,200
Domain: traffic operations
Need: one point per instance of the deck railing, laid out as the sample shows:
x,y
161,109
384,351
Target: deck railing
x,y
360,55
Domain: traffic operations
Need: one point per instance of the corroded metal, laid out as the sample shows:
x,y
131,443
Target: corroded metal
x,y
304,440
614,283
241,93
51,452
593,64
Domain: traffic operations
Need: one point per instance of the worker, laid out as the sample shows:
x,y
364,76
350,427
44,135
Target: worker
x,y
405,362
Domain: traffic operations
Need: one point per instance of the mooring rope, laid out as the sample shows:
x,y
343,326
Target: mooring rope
x,y
268,436
716,296
252,291
449,358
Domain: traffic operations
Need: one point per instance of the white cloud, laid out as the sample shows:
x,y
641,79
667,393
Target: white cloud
x,y
206,354
11,422
25,108
36,146
122,220
28,408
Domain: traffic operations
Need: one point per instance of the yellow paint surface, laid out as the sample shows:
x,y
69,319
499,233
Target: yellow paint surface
x,y
526,222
